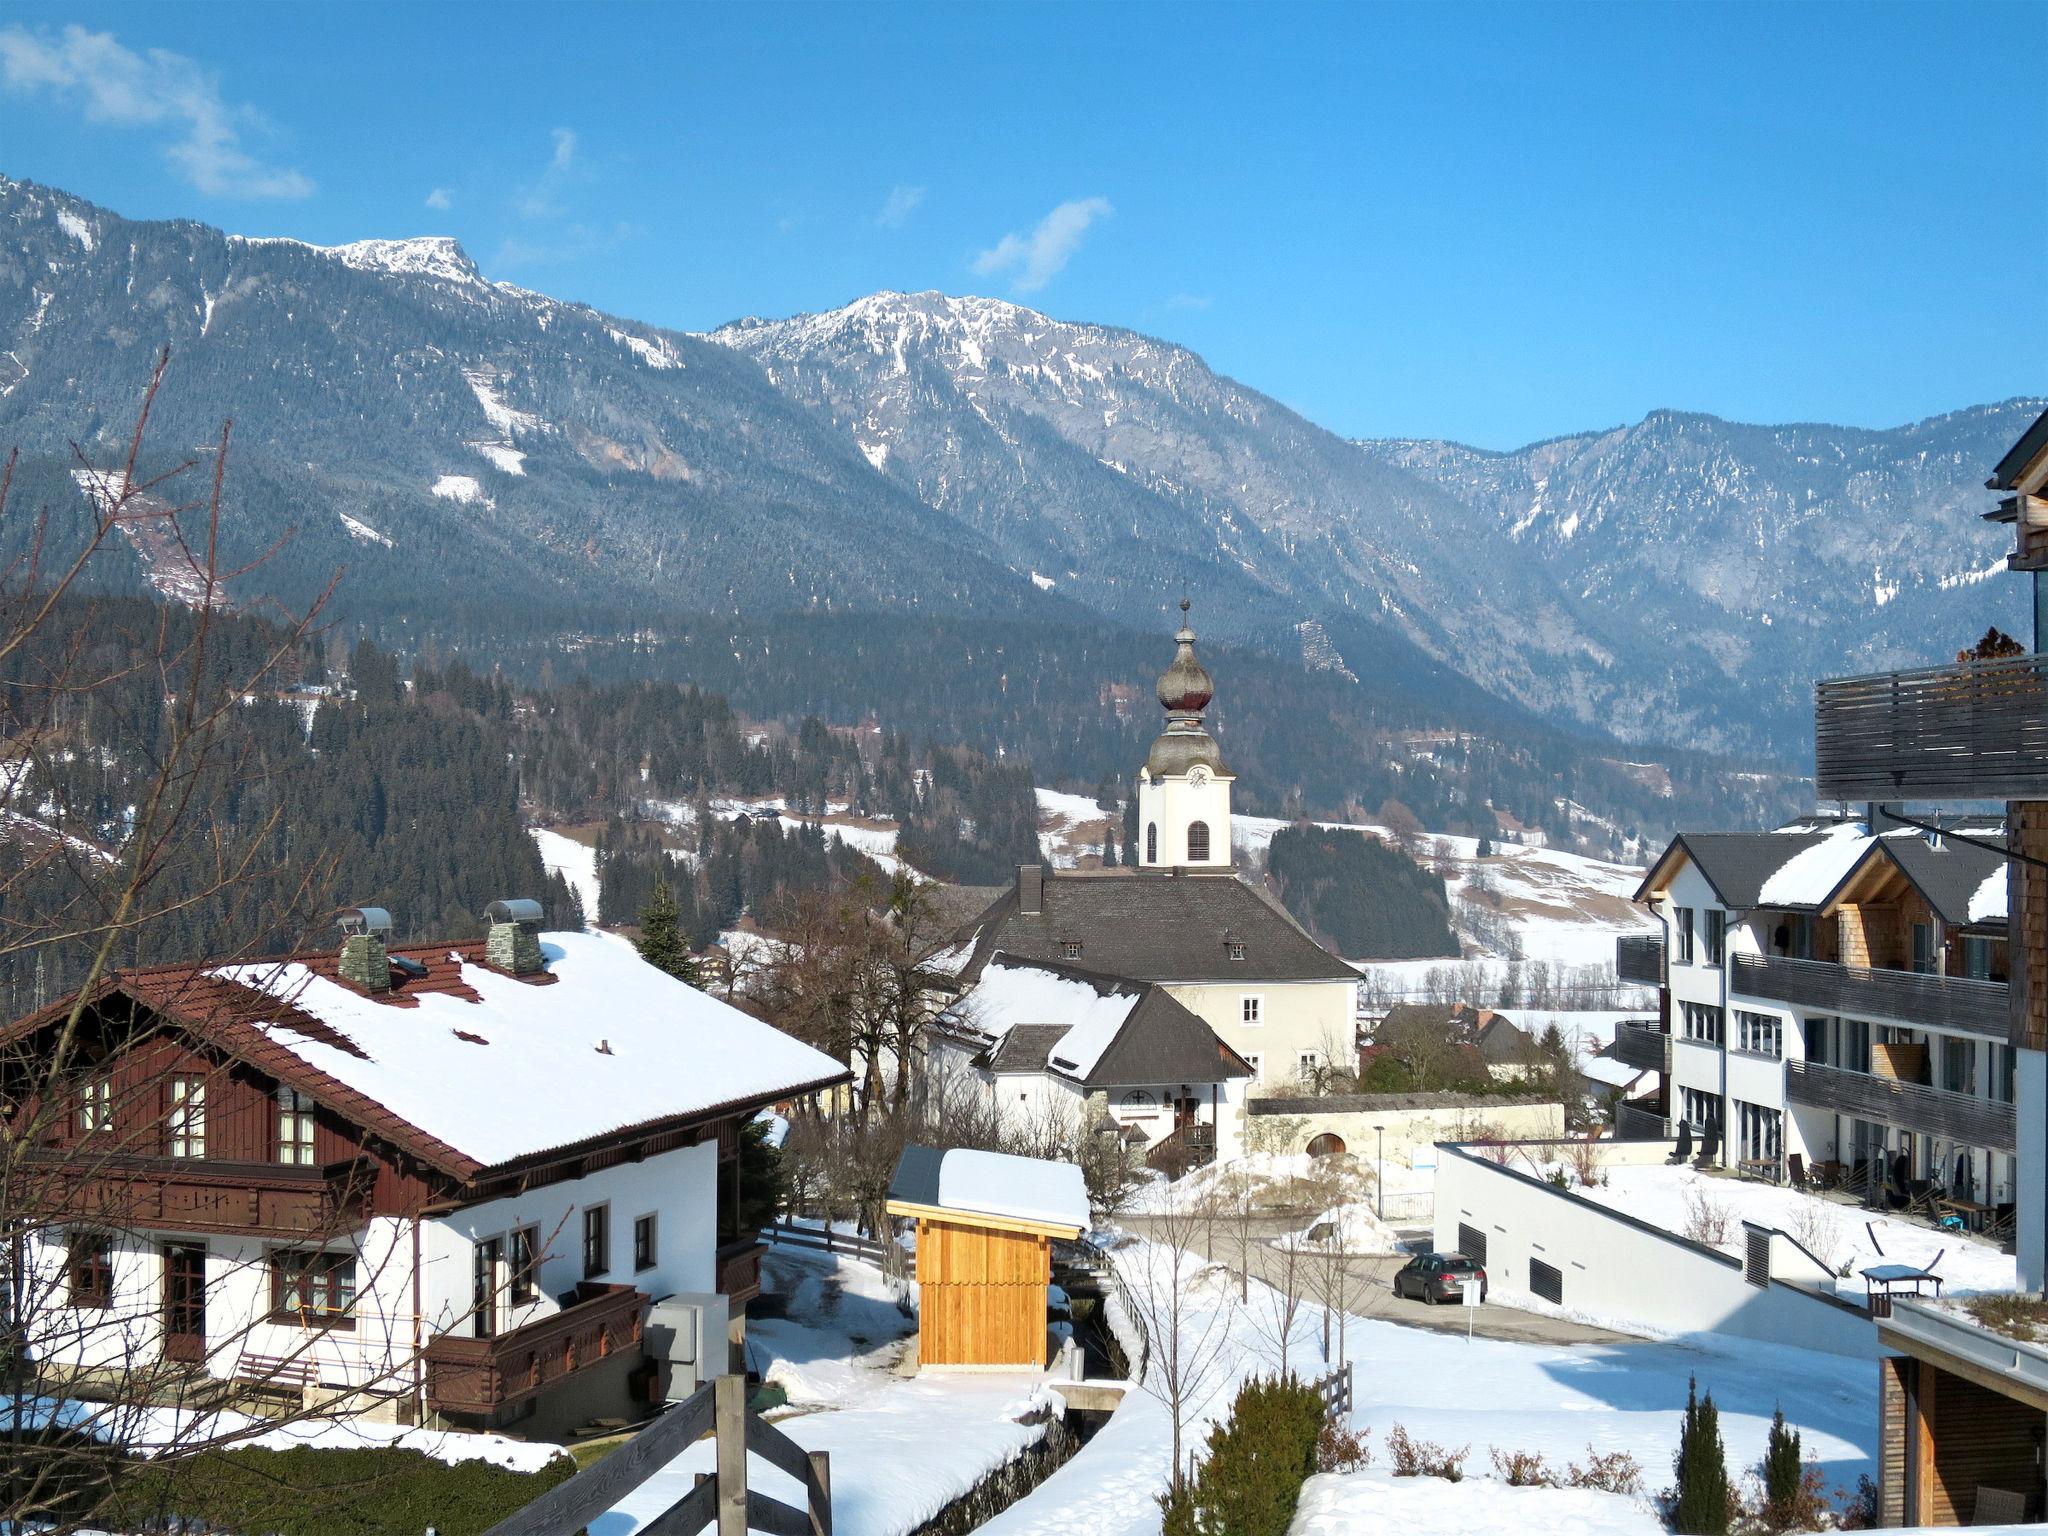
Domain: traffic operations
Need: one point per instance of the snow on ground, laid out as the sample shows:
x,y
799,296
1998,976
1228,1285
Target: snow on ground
x,y
1070,826
1837,1233
1264,1177
873,836
573,861
1348,1228
151,1431
1342,1505
463,488
902,1447
1555,1400
362,532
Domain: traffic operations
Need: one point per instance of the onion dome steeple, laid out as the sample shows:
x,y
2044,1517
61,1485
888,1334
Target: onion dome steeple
x,y
1185,690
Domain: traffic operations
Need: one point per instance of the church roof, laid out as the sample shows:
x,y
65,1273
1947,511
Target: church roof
x,y
1149,925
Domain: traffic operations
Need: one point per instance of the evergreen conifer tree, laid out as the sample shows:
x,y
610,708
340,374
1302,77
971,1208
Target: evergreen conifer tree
x,y
1699,1504
661,942
1485,848
1782,1470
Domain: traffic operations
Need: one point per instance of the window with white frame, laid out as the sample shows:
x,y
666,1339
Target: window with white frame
x,y
1716,939
1702,1022
1251,1059
1251,1009
95,1106
1761,1034
1307,1065
1681,931
186,1125
294,1127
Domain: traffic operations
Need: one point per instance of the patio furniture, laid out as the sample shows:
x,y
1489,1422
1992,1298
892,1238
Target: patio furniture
x,y
1970,1214
1998,1506
1830,1174
1710,1148
1684,1148
1765,1168
1797,1165
1881,1282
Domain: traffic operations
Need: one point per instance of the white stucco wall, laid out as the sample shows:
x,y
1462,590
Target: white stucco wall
x,y
2030,1174
1173,803
1616,1268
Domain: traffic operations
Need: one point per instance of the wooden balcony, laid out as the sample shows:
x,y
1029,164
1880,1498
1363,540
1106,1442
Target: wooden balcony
x,y
1959,1117
739,1270
475,1378
1976,731
1634,1123
175,1194
1640,958
1939,1002
1639,1043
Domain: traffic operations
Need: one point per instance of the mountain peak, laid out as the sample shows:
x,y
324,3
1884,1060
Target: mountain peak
x,y
436,256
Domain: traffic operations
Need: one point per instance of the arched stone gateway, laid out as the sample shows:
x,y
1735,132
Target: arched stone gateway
x,y
1329,1144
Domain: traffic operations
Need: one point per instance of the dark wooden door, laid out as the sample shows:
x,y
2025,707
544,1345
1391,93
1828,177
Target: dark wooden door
x,y
185,1301
1184,1111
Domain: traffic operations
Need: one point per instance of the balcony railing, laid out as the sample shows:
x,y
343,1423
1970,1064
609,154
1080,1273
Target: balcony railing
x,y
477,1377
739,1270
1940,1002
175,1194
1959,1117
1976,731
1639,1043
1638,957
1633,1123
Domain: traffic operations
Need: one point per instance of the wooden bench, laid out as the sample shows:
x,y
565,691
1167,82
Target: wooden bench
x,y
285,1375
1759,1168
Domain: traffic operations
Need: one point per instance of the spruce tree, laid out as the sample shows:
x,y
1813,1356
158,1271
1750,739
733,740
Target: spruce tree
x,y
1782,1471
661,942
1699,1504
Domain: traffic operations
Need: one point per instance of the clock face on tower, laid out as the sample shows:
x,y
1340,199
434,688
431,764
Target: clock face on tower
x,y
1198,776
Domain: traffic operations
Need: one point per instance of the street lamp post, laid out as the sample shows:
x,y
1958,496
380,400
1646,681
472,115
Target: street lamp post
x,y
1379,1183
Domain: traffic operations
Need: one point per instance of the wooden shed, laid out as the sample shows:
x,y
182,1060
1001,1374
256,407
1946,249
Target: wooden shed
x,y
986,1222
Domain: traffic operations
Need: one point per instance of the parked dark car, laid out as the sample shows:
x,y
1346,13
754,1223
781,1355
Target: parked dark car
x,y
1435,1277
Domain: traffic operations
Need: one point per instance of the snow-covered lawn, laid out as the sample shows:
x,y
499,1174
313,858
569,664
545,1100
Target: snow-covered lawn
x,y
1553,1400
1837,1234
1071,825
902,1447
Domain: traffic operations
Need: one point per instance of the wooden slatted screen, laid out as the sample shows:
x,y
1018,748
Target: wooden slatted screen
x,y
981,1295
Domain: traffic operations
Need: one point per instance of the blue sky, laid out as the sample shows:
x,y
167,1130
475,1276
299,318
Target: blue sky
x,y
1489,224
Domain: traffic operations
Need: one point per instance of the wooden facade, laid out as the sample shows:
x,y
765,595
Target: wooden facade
x,y
2027,897
1943,1437
982,1294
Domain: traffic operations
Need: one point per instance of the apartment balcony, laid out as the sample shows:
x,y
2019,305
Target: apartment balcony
x,y
176,1194
1639,1043
739,1271
475,1378
1638,957
1634,1123
1939,1002
1976,731
1959,1117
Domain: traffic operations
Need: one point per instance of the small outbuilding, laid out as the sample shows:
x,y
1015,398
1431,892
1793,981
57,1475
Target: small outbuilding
x,y
986,1222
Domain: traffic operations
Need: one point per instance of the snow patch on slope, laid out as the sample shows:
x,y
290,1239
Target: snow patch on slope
x,y
76,228
463,488
363,531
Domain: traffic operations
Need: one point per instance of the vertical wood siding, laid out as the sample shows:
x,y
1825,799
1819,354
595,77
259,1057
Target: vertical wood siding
x,y
981,1295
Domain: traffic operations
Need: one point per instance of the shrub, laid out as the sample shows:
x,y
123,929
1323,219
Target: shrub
x,y
361,1491
1700,1505
1781,1471
1257,1461
1424,1458
1707,1220
1859,1509
1339,1449
1609,1472
1522,1469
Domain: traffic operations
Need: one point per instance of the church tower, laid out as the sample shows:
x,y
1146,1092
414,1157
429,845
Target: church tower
x,y
1184,787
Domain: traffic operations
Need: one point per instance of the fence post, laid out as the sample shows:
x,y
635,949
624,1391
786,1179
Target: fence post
x,y
820,1491
729,1424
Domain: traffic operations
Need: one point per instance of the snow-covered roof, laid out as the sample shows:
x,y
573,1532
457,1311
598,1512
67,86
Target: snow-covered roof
x,y
1811,875
1009,995
997,1184
1615,1074
500,1068
1988,901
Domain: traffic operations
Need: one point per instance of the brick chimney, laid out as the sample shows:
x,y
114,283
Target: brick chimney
x,y
512,939
365,955
1031,889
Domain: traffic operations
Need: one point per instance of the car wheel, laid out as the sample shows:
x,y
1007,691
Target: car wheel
x,y
1429,1296
1482,1295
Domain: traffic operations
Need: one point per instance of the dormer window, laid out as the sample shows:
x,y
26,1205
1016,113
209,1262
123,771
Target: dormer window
x,y
1070,949
1236,948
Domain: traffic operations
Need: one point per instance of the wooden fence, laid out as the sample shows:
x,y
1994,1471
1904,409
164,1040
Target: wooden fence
x,y
1335,1391
722,1496
825,1239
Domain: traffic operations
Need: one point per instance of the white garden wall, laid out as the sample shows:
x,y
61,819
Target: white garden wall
x,y
1613,1266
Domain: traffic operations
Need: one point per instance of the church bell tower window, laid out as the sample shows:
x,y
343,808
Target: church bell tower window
x,y
1152,843
1198,842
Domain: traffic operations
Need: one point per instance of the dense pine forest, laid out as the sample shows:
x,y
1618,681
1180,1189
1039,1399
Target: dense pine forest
x,y
1363,899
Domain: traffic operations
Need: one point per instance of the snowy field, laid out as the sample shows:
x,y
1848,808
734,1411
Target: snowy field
x,y
902,1447
1837,1234
575,862
1070,826
1556,1401
1338,1190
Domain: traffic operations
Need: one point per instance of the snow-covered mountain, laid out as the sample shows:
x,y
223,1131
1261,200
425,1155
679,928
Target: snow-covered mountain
x,y
1683,577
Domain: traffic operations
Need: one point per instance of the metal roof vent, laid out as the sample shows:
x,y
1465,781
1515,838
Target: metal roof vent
x,y
512,939
365,961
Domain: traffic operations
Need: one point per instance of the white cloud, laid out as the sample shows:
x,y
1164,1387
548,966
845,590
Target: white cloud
x,y
1037,258
1191,301
899,205
439,198
540,198
117,86
577,242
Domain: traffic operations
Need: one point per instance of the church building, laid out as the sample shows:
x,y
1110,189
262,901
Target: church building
x,y
1182,920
